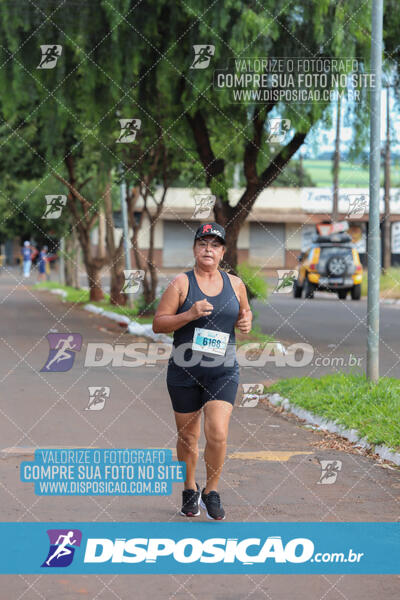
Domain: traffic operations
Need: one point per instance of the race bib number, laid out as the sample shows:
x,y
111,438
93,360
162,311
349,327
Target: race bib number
x,y
209,340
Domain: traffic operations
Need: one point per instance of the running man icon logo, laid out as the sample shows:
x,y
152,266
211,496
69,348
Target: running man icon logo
x,y
54,206
329,470
133,277
202,56
62,547
250,394
286,279
278,128
50,54
204,203
129,129
62,351
97,397
357,206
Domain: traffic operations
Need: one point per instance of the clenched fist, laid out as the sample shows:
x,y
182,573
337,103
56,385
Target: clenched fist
x,y
244,320
201,308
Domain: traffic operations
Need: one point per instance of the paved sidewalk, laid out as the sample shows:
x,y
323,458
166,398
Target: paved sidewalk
x,y
271,472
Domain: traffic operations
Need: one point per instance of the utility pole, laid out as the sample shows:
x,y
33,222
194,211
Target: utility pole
x,y
374,239
125,226
387,248
336,163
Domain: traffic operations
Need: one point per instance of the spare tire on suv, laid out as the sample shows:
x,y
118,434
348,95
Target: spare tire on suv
x,y
336,265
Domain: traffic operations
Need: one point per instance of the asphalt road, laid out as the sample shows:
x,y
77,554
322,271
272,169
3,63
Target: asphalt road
x,y
334,328
271,472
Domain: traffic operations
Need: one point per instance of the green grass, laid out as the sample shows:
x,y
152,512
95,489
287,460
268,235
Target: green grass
x,y
350,174
82,297
73,295
351,401
389,283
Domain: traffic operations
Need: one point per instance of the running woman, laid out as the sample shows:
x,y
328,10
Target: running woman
x,y
202,307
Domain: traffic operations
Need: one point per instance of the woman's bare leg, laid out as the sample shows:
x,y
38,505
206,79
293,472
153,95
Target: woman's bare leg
x,y
187,449
217,414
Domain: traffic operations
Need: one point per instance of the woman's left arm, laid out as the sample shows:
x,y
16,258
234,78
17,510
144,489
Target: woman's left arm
x,y
245,317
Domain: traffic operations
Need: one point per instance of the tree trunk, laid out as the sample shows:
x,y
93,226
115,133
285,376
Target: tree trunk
x,y
336,164
117,279
83,220
387,249
71,260
93,267
230,260
101,249
117,297
150,280
95,290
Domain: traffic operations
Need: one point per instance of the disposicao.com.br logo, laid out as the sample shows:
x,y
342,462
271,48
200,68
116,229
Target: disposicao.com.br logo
x,y
247,551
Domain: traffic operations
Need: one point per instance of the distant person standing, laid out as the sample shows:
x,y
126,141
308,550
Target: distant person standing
x,y
42,263
28,253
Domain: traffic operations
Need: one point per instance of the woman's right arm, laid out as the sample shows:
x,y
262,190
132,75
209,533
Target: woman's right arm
x,y
166,320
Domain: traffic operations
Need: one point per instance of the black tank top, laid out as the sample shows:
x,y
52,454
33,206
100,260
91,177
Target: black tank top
x,y
184,364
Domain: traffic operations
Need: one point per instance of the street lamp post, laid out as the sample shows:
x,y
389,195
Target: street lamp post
x,y
374,239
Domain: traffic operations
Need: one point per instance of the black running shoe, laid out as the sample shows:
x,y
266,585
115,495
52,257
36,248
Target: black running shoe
x,y
190,502
212,503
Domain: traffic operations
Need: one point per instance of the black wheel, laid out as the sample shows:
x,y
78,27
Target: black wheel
x,y
309,289
342,294
356,292
297,289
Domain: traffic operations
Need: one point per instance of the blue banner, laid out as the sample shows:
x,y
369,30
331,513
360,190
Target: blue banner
x,y
188,547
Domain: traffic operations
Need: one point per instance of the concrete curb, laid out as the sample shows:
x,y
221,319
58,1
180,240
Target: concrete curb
x,y
391,301
58,292
352,435
134,327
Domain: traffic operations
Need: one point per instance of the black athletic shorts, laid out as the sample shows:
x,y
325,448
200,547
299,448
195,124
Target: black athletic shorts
x,y
186,399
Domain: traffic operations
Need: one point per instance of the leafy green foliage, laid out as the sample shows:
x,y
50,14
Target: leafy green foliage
x,y
256,285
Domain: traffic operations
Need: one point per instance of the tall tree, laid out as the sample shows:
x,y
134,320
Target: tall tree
x,y
225,132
